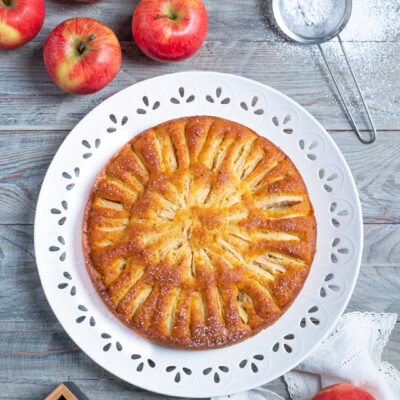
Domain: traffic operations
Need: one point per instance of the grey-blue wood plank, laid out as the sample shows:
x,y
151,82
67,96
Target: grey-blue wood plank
x,y
35,116
239,41
25,156
36,353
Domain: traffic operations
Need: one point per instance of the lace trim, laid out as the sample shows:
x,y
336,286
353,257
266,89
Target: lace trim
x,y
389,371
382,325
294,386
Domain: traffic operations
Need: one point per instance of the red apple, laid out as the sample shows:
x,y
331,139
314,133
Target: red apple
x,y
343,391
20,22
82,55
170,30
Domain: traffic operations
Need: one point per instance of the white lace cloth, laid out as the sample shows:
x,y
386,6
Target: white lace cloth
x,y
350,354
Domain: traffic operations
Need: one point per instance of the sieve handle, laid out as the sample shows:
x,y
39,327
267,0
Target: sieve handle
x,y
373,131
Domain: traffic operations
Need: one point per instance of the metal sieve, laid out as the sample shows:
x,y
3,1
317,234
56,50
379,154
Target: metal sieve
x,y
318,32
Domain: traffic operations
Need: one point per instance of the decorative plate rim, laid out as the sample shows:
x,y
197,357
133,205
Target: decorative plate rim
x,y
191,78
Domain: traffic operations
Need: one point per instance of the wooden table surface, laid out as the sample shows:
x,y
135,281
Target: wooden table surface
x,y
35,117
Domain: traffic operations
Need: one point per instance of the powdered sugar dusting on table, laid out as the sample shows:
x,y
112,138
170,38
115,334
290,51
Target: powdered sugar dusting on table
x,y
374,20
371,22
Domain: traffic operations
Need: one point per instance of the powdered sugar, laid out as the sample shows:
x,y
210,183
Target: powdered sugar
x,y
373,20
312,18
310,12
375,63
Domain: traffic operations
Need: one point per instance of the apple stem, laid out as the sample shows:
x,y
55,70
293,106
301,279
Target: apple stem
x,y
82,46
6,2
169,16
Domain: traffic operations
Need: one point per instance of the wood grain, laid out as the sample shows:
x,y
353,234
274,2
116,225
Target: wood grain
x,y
248,18
61,392
36,352
24,292
35,116
375,169
32,341
381,247
35,349
30,100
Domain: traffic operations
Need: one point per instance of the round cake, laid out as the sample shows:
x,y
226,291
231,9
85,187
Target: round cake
x,y
199,233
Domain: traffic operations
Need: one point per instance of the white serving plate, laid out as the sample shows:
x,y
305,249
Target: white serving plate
x,y
273,351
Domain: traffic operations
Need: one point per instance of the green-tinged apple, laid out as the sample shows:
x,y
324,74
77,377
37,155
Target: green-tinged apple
x,y
343,391
20,22
82,55
169,30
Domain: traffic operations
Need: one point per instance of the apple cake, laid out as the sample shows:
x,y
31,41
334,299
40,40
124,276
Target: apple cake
x,y
199,233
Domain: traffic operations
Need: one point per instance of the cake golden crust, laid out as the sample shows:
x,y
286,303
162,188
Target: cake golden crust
x,y
199,233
